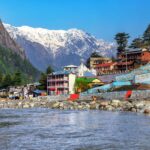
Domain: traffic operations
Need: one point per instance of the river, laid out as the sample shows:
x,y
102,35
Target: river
x,y
46,129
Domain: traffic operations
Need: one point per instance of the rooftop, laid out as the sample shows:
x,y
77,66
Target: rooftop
x,y
88,74
135,50
70,66
63,72
105,64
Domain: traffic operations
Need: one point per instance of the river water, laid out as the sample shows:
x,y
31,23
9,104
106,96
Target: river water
x,y
46,129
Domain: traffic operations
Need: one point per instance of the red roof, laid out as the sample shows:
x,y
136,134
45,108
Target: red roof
x,y
105,64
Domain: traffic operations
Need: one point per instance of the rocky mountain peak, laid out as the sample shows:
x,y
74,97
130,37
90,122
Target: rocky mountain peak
x,y
58,48
8,42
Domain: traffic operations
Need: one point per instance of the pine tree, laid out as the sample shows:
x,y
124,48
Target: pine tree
x,y
43,78
94,54
43,81
7,81
88,63
1,79
17,79
1,76
146,34
49,70
122,41
137,43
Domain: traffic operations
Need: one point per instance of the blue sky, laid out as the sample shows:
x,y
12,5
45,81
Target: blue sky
x,y
101,18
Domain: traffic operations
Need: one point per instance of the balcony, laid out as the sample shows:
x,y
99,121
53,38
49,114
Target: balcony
x,y
58,79
58,86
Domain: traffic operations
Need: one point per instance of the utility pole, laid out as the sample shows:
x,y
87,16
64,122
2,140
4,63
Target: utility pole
x,y
126,60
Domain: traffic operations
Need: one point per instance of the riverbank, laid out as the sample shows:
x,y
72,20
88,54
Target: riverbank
x,y
140,106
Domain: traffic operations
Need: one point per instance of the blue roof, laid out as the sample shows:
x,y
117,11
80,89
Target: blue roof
x,y
133,49
62,72
38,91
88,74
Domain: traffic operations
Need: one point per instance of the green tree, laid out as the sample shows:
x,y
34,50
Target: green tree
x,y
43,81
94,54
113,59
1,76
17,79
49,70
10,62
122,41
43,78
1,79
137,43
7,81
146,36
81,85
88,62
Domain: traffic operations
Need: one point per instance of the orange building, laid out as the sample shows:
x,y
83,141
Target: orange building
x,y
132,58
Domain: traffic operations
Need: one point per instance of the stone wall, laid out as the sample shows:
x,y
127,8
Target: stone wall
x,y
138,94
53,98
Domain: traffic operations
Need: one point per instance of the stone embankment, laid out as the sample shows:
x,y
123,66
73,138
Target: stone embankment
x,y
142,106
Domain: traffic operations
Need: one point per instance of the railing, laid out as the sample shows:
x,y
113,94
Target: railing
x,y
58,86
59,79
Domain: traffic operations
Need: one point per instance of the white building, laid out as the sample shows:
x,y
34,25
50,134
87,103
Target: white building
x,y
82,69
70,67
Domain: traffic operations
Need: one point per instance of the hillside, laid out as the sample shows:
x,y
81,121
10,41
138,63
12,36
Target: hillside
x,y
8,42
13,58
11,62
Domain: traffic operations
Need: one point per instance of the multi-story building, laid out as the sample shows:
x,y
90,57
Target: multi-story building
x,y
132,58
105,68
127,60
61,82
94,61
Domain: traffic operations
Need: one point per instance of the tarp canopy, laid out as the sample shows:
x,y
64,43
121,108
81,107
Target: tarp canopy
x,y
118,84
88,74
107,87
38,91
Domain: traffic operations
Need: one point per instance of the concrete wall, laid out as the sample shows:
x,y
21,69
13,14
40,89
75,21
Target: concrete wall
x,y
72,78
139,94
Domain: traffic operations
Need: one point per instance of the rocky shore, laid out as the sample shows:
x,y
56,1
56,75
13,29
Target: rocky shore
x,y
140,106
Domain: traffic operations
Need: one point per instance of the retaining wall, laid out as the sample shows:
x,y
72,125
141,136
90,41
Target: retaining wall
x,y
138,94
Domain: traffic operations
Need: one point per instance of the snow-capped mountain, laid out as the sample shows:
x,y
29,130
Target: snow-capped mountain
x,y
45,47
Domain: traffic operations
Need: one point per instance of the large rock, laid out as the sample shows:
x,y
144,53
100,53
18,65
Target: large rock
x,y
56,105
127,106
139,105
32,105
147,111
115,103
104,103
26,105
109,108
